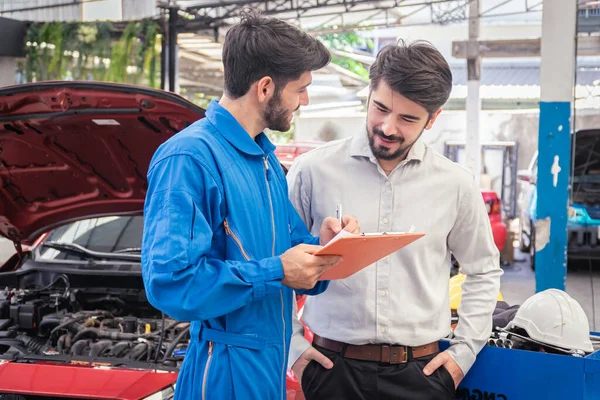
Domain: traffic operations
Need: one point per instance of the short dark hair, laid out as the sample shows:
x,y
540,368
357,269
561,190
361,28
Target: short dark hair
x,y
417,71
259,46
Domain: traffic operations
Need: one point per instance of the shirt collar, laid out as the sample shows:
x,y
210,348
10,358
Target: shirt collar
x,y
232,130
359,147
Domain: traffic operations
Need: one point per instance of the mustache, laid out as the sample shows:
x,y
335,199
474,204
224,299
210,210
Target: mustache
x,y
379,132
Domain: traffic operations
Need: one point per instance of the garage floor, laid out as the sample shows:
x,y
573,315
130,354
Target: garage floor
x,y
518,282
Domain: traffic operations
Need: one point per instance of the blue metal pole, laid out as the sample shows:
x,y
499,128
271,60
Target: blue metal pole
x,y
554,155
554,162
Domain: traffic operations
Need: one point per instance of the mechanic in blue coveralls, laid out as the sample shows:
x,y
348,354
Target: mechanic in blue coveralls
x,y
223,247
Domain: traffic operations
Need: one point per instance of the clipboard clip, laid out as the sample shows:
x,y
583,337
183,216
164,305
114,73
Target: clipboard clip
x,y
411,230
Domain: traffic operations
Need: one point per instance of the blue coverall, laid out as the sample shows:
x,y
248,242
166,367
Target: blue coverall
x,y
216,219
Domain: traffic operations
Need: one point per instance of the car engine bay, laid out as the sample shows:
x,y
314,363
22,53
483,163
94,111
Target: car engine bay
x,y
72,319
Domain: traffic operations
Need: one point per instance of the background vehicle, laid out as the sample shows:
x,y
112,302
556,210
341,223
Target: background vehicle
x,y
583,219
287,153
494,210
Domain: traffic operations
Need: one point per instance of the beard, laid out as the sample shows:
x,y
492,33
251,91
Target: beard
x,y
384,153
276,115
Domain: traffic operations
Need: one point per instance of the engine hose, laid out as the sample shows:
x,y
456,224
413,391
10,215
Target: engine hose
x,y
46,322
119,336
78,347
69,340
37,345
138,351
175,342
97,348
86,332
150,351
98,334
14,343
79,318
60,345
118,349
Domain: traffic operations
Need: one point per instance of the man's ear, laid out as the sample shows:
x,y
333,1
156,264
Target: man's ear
x,y
432,119
265,88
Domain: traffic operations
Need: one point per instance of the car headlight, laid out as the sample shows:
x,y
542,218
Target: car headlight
x,y
575,212
165,394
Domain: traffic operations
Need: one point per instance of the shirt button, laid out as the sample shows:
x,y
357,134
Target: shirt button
x,y
382,293
385,220
382,329
387,184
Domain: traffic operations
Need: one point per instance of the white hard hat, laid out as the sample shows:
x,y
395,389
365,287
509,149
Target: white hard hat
x,y
555,318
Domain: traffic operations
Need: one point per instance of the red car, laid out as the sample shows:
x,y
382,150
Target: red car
x,y
74,318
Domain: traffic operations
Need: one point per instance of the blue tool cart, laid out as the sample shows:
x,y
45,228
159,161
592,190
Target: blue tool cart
x,y
510,374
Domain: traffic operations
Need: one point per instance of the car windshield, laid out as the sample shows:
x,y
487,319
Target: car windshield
x,y
114,235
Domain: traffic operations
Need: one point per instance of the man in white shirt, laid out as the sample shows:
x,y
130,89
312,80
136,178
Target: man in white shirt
x,y
377,332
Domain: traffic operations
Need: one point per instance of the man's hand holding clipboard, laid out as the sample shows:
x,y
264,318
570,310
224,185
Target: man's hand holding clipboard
x,y
302,269
358,251
332,227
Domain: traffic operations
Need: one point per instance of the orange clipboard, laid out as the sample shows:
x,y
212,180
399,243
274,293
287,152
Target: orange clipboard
x,y
360,251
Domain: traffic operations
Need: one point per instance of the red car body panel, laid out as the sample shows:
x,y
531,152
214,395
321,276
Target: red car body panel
x,y
499,229
287,153
83,382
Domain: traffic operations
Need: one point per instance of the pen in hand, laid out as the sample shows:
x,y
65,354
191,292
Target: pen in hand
x,y
338,213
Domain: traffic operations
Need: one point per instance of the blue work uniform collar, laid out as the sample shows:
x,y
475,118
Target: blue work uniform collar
x,y
232,130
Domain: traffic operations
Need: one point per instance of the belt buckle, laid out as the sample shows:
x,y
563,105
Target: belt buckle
x,y
391,354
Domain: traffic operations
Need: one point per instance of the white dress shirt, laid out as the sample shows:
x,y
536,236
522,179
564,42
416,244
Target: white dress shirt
x,y
402,299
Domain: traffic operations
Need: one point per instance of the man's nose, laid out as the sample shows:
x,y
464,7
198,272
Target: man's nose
x,y
304,99
389,127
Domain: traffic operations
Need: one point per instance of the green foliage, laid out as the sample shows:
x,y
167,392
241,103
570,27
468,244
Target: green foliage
x,y
348,41
92,51
341,41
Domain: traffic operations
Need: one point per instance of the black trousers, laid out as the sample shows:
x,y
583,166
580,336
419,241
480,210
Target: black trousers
x,y
370,380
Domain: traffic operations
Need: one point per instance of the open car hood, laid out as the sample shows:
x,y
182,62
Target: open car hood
x,y
586,167
71,150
